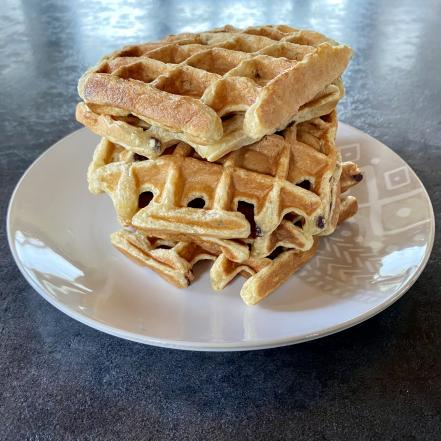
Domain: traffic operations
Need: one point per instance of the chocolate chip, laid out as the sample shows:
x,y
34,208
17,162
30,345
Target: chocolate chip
x,y
258,231
155,145
137,157
320,222
358,177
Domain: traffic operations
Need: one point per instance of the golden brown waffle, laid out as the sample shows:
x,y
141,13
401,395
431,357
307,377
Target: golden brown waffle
x,y
174,261
265,274
217,91
120,173
268,273
287,189
148,140
350,175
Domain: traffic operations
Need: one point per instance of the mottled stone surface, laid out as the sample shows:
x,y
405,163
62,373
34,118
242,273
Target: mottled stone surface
x,y
60,380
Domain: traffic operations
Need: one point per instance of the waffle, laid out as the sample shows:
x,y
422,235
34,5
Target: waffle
x,y
174,261
280,191
216,91
265,277
150,141
268,273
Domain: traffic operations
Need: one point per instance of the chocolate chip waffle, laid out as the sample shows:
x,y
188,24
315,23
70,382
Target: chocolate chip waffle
x,y
280,191
174,261
221,146
268,273
216,91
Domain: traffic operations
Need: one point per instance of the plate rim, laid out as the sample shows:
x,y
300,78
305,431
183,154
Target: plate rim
x,y
216,346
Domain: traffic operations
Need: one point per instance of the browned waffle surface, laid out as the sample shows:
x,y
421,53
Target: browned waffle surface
x,y
280,191
174,261
215,90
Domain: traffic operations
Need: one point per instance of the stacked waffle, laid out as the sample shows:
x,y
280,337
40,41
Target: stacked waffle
x,y
221,146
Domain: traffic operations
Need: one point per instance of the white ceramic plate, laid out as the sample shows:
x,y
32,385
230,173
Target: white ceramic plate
x,y
59,236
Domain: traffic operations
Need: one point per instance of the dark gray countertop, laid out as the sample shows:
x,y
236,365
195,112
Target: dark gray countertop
x,y
60,380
